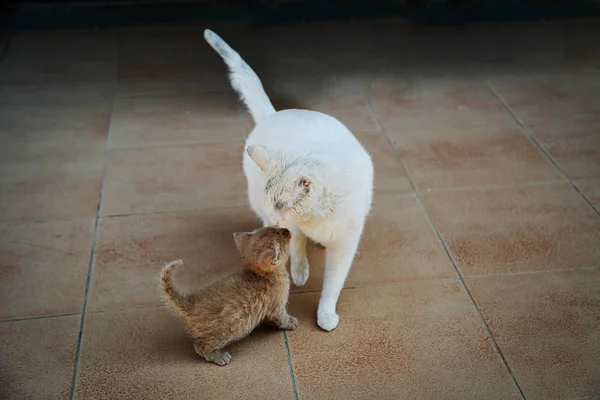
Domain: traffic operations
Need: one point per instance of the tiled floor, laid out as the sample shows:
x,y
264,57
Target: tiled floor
x,y
478,276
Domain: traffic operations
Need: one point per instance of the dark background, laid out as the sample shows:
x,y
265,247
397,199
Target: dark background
x,y
38,14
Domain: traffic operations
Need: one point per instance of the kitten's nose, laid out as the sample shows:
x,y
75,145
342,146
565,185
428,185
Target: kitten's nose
x,y
276,225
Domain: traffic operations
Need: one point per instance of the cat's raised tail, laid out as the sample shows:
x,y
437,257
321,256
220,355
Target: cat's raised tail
x,y
177,300
243,79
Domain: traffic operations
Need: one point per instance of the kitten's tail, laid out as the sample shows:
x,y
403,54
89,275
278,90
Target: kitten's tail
x,y
243,79
176,299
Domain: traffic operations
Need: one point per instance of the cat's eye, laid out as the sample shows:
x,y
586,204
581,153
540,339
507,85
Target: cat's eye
x,y
279,205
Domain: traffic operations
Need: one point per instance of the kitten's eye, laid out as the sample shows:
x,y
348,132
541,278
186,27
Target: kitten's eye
x,y
279,205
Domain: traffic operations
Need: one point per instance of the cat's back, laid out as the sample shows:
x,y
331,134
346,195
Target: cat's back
x,y
303,129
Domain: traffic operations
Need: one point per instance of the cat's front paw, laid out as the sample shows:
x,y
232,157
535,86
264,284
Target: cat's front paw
x,y
300,272
292,324
328,321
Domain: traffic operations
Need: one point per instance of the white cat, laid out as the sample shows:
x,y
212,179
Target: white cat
x,y
308,173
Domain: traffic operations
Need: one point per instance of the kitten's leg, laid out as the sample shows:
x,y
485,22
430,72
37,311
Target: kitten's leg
x,y
283,320
338,260
210,354
298,260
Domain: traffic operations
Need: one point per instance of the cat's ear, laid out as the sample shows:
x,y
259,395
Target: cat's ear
x,y
262,156
241,240
302,188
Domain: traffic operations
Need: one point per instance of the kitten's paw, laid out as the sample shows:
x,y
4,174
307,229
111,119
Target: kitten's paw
x,y
328,321
221,357
292,324
300,272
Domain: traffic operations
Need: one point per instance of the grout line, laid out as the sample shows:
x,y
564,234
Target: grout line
x,y
289,360
5,48
528,134
91,262
493,187
172,211
549,271
395,284
110,310
192,93
45,221
443,244
187,143
38,317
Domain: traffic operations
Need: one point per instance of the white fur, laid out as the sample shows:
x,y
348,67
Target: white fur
x,y
308,173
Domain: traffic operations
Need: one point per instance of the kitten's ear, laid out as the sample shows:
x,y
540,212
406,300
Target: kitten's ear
x,y
276,253
302,187
262,156
241,240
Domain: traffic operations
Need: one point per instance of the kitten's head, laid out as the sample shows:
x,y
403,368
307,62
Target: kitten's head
x,y
292,190
264,250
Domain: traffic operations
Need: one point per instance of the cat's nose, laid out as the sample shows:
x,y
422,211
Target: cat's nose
x,y
276,225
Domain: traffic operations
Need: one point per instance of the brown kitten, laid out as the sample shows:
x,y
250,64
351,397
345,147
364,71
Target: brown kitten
x,y
230,309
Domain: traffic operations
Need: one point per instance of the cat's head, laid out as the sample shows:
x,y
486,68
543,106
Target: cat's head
x,y
292,190
264,249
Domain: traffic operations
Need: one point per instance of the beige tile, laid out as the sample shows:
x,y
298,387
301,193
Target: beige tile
x,y
398,245
130,252
351,109
573,143
51,161
389,175
59,68
436,104
177,63
591,190
37,358
411,341
145,354
531,228
150,179
549,97
459,157
65,46
547,328
44,267
208,118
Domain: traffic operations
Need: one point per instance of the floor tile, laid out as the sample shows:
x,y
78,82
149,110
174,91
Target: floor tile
x,y
549,97
389,175
208,118
412,341
436,103
130,252
530,228
50,133
398,245
51,161
145,354
59,68
591,190
169,64
150,179
547,328
37,358
68,46
459,157
351,109
44,267
573,143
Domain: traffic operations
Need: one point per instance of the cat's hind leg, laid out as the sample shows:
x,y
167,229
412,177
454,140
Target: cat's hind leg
x,y
338,260
298,260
